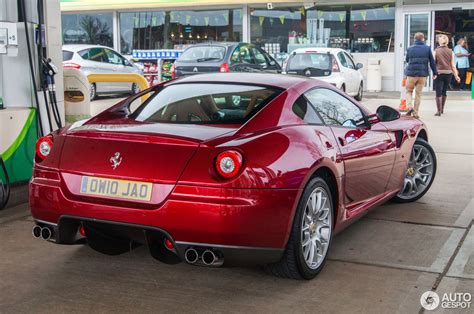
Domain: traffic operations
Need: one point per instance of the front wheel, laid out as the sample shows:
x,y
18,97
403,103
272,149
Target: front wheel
x,y
311,234
358,97
93,91
420,173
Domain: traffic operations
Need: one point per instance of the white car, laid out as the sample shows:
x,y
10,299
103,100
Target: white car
x,y
99,59
332,65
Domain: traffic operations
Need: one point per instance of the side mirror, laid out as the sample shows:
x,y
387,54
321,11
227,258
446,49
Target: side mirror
x,y
359,66
386,113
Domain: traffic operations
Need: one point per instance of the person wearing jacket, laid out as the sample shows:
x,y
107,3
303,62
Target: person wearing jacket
x,y
446,67
418,58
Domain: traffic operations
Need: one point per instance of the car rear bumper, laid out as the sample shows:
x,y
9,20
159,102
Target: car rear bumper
x,y
258,218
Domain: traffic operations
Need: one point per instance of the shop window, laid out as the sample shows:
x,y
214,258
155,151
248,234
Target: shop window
x,y
177,29
356,28
87,28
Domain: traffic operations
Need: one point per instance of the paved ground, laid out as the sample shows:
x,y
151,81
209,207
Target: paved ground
x,y
382,263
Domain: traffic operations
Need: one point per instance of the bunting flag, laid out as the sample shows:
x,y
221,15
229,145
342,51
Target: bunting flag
x,y
188,19
320,14
261,19
271,21
153,20
342,17
226,18
282,19
136,21
386,8
364,15
206,20
302,11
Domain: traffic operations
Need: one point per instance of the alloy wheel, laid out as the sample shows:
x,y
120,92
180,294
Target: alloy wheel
x,y
419,173
316,228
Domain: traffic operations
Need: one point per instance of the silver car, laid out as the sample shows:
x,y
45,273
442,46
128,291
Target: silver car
x,y
93,59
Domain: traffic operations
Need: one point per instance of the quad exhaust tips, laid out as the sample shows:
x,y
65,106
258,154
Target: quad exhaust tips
x,y
208,257
44,233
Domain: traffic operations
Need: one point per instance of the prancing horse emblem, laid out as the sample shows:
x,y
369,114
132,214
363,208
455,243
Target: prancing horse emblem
x,y
115,160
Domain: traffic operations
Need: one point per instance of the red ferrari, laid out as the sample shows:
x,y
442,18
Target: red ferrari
x,y
227,168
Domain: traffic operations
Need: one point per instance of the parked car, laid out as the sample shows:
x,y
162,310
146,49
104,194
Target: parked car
x,y
224,57
332,65
227,168
100,59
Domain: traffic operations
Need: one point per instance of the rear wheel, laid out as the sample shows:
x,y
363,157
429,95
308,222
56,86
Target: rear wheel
x,y
135,88
420,173
360,92
311,234
93,91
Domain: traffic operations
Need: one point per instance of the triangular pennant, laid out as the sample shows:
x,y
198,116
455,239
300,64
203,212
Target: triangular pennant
x,y
364,15
206,20
320,14
271,21
282,19
342,17
153,21
136,21
226,18
188,19
386,8
261,19
302,11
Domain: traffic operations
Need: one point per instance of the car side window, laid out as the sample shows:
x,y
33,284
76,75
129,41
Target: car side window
x,y
114,57
303,109
259,57
349,61
241,54
93,54
342,59
335,109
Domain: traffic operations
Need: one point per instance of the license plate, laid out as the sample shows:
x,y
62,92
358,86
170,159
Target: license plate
x,y
113,188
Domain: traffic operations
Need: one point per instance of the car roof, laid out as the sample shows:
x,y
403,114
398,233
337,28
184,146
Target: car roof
x,y
316,49
267,79
80,47
217,43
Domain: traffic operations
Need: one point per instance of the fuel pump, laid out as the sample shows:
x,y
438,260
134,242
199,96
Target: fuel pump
x,y
49,71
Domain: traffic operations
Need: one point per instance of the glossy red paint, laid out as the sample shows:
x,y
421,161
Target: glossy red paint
x,y
191,202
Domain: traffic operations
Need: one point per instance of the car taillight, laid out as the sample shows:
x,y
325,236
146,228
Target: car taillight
x,y
229,163
335,66
173,71
71,65
44,146
224,68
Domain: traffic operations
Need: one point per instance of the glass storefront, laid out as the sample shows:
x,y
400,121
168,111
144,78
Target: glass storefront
x,y
177,29
358,28
87,28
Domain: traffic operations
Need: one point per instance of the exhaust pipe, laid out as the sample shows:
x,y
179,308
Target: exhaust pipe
x,y
46,233
209,258
36,231
191,256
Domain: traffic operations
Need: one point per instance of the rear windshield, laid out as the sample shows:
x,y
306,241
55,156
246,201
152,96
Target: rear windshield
x,y
67,55
205,103
303,61
203,54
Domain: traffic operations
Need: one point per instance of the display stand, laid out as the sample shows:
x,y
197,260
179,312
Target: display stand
x,y
156,63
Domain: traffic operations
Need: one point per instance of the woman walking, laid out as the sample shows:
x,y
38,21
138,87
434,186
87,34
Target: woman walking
x,y
444,58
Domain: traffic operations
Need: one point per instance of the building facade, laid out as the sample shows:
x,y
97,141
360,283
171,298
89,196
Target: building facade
x,y
371,29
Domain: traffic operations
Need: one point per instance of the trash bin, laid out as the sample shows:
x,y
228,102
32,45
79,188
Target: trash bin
x,y
374,75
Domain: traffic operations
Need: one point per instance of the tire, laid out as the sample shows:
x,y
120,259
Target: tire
x,y
416,171
358,97
294,264
135,89
93,92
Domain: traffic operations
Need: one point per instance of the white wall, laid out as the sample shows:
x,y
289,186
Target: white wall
x,y
387,67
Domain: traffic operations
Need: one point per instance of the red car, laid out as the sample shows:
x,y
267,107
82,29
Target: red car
x,y
241,168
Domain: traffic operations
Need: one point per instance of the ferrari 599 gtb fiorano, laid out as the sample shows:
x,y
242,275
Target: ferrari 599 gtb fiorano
x,y
227,169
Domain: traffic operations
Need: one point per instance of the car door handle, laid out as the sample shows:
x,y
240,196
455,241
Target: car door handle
x,y
342,141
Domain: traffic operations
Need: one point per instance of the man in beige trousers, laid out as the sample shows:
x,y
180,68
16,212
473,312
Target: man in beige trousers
x,y
418,58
